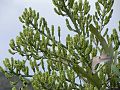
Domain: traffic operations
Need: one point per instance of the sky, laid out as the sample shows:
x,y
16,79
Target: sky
x,y
10,26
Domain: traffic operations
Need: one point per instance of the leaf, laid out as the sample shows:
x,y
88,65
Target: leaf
x,y
80,5
12,44
14,88
98,8
59,29
11,52
88,50
68,24
70,3
95,21
106,31
99,37
94,79
107,19
115,70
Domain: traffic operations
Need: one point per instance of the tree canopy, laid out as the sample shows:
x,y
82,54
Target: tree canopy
x,y
53,65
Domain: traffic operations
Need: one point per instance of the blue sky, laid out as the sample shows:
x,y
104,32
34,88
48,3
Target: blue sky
x,y
10,26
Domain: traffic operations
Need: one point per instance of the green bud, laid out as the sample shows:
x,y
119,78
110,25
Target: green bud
x,y
59,32
97,5
37,68
94,52
98,8
86,43
48,32
80,5
37,36
33,13
25,31
12,44
107,19
115,35
70,3
11,52
52,27
86,7
68,74
18,40
40,22
27,22
37,16
26,10
30,10
13,83
110,14
37,45
44,22
43,37
23,16
32,65
50,79
116,43
105,32
54,2
21,20
68,25
56,11
48,67
96,16
95,21
75,8
14,88
42,64
26,70
100,1
88,50
35,22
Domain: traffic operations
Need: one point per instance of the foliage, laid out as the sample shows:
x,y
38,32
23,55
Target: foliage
x,y
58,66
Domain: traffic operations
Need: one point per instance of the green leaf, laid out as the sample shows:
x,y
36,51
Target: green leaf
x,y
88,50
95,21
80,5
11,52
106,31
68,25
52,28
86,7
98,8
115,70
106,20
93,79
12,44
14,88
70,3
21,20
59,29
100,38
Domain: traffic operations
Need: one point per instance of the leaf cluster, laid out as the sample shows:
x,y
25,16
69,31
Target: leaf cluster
x,y
59,66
